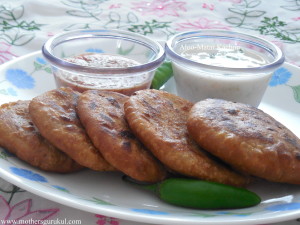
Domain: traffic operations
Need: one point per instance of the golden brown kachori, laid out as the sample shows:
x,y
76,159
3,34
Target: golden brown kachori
x,y
54,114
19,136
102,114
246,138
158,119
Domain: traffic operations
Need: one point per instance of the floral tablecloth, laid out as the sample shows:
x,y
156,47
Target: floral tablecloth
x,y
26,24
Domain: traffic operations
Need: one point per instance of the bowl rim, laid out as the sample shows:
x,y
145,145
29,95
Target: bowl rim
x,y
51,43
279,58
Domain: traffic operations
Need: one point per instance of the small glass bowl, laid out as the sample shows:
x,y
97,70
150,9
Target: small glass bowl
x,y
122,78
209,76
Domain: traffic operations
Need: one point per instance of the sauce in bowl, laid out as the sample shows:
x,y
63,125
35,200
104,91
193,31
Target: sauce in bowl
x,y
126,84
229,57
222,64
120,60
196,85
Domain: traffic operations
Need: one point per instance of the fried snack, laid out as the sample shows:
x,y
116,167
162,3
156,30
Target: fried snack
x,y
246,138
54,114
102,115
19,136
159,119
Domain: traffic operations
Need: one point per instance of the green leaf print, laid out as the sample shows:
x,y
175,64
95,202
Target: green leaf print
x,y
37,66
117,20
99,201
12,19
48,70
296,90
84,8
41,66
13,29
243,11
255,13
294,6
234,20
114,20
132,18
254,3
150,26
237,11
13,14
77,26
83,13
12,192
275,27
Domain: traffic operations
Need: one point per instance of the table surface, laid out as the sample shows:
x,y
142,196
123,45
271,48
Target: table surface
x,y
26,24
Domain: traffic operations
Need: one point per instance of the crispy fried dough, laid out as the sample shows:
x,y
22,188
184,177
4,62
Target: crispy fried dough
x,y
102,114
54,114
246,138
159,119
19,136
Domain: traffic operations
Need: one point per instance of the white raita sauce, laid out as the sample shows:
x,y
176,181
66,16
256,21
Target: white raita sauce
x,y
196,84
233,58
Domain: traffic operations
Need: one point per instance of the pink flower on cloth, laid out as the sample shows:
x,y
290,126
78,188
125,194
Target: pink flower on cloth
x,y
20,213
5,53
201,23
159,7
296,18
103,220
115,6
211,7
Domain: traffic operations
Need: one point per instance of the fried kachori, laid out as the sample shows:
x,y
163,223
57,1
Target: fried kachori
x,y
246,138
102,114
54,114
159,120
19,136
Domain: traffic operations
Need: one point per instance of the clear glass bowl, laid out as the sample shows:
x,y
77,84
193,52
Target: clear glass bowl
x,y
116,43
203,69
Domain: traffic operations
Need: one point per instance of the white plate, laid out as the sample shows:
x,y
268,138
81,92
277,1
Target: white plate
x,y
107,194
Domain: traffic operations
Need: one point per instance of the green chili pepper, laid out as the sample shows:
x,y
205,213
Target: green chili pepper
x,y
162,75
201,194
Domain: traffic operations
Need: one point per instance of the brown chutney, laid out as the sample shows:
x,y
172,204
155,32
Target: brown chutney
x,y
125,84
